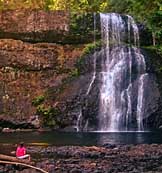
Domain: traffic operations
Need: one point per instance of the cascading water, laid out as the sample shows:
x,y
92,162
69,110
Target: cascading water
x,y
79,119
123,75
119,95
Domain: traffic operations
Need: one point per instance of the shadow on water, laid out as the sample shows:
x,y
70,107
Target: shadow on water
x,y
80,138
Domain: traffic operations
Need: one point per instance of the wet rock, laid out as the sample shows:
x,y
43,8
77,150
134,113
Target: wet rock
x,y
69,129
75,170
7,130
109,146
160,127
35,121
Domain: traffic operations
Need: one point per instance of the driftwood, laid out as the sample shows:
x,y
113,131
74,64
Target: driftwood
x,y
23,164
14,159
4,159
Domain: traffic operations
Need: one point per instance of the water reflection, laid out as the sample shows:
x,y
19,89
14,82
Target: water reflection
x,y
89,139
122,138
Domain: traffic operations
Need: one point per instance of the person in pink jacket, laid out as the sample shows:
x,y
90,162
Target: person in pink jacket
x,y
21,152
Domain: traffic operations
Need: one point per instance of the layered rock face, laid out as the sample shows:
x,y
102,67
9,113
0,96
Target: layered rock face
x,y
27,71
47,26
34,25
35,61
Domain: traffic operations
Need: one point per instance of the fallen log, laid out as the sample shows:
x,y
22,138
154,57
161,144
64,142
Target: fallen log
x,y
14,159
23,164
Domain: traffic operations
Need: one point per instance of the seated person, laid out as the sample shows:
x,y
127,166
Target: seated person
x,y
21,152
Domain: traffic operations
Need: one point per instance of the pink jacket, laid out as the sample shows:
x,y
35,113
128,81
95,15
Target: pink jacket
x,y
20,151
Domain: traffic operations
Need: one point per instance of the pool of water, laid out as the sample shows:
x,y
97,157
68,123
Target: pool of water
x,y
79,138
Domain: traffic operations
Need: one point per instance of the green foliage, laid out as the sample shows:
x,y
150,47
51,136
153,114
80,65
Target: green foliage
x,y
119,6
85,26
90,6
159,49
81,23
155,52
22,4
155,25
92,47
78,5
49,115
147,12
69,5
56,4
38,100
74,73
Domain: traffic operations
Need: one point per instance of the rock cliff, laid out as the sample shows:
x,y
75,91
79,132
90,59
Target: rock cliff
x,y
28,71
44,76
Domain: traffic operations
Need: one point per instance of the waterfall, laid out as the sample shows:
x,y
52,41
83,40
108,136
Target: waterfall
x,y
78,124
123,75
140,107
79,119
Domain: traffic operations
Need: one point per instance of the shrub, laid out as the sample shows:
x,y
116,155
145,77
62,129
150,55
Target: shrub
x,y
49,115
38,100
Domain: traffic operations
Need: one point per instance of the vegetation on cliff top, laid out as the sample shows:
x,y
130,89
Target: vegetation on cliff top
x,y
148,12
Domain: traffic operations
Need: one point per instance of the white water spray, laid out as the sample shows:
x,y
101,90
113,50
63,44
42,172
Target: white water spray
x,y
120,65
92,79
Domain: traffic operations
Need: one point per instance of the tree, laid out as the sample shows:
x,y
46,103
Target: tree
x,y
22,4
147,12
77,5
155,25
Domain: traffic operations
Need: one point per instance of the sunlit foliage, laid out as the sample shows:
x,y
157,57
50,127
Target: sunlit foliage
x,y
148,12
72,5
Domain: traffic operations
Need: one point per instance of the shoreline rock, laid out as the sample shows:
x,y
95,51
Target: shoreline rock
x,y
9,130
143,158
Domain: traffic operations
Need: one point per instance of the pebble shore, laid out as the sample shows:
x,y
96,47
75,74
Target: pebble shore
x,y
143,158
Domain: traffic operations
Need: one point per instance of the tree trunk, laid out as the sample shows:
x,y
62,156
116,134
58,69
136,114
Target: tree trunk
x,y
4,159
153,39
23,164
14,159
